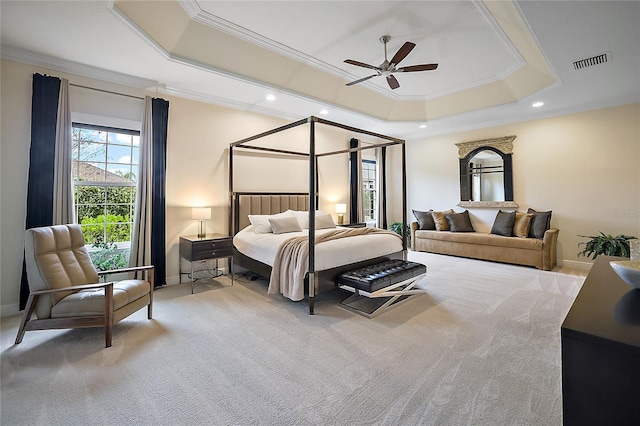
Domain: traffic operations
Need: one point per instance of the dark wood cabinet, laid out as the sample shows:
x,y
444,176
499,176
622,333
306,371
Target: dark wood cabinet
x,y
601,351
213,246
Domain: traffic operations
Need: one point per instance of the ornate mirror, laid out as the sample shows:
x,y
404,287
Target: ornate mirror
x,y
486,173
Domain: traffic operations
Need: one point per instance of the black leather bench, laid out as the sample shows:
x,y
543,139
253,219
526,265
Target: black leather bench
x,y
390,282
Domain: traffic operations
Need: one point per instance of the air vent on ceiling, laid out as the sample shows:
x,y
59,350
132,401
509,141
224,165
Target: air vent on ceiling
x,y
594,60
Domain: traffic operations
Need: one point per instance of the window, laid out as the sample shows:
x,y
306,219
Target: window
x,y
370,186
105,169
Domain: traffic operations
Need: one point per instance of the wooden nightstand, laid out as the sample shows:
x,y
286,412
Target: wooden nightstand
x,y
213,246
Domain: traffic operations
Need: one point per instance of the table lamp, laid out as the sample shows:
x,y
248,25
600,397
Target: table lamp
x,y
201,214
341,209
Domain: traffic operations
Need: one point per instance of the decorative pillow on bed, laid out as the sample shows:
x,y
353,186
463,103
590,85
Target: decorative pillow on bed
x,y
522,224
324,221
540,223
459,222
282,225
440,221
303,217
425,220
261,223
503,224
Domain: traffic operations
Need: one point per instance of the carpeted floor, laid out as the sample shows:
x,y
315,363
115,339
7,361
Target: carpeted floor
x,y
481,347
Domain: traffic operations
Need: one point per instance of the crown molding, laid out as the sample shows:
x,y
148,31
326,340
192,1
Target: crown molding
x,y
58,64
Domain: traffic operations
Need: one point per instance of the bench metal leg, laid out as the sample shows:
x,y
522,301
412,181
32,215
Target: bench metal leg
x,y
373,304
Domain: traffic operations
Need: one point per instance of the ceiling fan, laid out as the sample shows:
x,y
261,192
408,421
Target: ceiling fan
x,y
388,68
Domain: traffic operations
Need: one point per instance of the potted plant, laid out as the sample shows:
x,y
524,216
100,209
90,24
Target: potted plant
x,y
397,228
605,244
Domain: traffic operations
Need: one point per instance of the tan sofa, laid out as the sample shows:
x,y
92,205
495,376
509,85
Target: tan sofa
x,y
540,253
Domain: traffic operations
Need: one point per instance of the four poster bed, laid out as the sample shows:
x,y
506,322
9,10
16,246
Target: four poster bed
x,y
324,251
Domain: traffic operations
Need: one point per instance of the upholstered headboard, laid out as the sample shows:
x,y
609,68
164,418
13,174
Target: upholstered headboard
x,y
246,203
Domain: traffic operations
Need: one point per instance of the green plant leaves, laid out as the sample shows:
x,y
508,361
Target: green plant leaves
x,y
605,244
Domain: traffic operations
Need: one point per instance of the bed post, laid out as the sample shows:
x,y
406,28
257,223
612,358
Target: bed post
x,y
230,191
312,214
404,201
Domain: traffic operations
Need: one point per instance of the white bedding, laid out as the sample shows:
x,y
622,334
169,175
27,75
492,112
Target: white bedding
x,y
329,254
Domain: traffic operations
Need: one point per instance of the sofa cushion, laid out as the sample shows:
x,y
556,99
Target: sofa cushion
x,y
481,239
425,220
540,223
503,223
459,222
522,224
440,220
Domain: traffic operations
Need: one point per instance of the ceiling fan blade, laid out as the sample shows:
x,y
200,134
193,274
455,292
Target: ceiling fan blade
x,y
361,80
360,64
413,68
402,52
393,83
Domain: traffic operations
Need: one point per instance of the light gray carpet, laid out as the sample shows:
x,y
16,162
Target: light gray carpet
x,y
481,348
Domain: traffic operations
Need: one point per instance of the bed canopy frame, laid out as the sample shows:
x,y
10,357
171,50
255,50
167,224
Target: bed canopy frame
x,y
313,180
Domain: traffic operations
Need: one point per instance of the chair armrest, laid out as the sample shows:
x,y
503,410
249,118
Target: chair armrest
x,y
73,288
128,269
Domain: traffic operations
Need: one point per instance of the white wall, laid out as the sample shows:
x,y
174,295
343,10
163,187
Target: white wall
x,y
584,167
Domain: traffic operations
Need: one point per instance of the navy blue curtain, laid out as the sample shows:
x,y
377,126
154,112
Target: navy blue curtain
x,y
44,113
160,118
383,187
354,181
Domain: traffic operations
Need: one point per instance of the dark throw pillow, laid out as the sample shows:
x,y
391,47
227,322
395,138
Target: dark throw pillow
x,y
540,223
503,224
425,220
459,222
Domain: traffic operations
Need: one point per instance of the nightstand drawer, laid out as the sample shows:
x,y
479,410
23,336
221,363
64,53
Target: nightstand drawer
x,y
199,249
222,244
212,253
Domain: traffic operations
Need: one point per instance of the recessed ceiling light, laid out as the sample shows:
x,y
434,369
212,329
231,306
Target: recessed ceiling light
x,y
423,126
324,112
537,104
271,97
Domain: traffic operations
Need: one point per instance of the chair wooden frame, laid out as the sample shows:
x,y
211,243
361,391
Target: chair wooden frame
x,y
106,320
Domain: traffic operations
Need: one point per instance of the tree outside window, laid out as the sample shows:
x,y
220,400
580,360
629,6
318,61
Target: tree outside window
x,y
105,169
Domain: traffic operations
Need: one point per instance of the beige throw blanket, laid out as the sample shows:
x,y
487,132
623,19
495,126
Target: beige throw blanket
x,y
292,260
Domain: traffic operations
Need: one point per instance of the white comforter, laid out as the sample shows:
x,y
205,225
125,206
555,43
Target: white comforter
x,y
330,254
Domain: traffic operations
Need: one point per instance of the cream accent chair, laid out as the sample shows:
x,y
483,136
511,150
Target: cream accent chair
x,y
64,285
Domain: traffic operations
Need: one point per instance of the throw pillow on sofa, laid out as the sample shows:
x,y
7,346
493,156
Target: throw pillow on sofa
x,y
540,223
425,220
503,223
522,224
440,221
459,222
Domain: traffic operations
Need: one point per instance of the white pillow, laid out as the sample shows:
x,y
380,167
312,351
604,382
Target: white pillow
x,y
303,217
261,223
282,225
324,221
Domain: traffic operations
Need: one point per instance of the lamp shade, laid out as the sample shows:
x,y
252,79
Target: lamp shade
x,y
341,208
201,213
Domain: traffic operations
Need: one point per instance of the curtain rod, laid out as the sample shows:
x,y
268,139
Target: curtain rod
x,y
106,91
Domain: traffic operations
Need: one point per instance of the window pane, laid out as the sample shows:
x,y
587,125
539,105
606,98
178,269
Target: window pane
x,y
120,139
133,177
119,154
118,213
118,172
118,232
90,194
93,135
136,140
89,151
120,194
93,233
135,158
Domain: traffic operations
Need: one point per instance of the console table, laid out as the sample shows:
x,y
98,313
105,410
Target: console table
x,y
212,246
601,351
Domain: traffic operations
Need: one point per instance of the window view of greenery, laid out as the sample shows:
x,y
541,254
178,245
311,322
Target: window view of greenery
x,y
105,168
370,186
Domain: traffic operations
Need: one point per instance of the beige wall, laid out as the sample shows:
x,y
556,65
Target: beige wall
x,y
197,161
584,167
